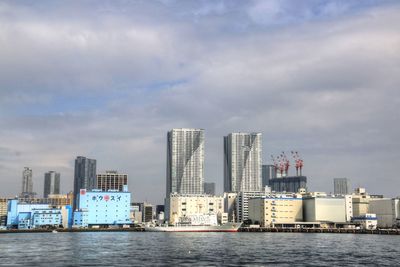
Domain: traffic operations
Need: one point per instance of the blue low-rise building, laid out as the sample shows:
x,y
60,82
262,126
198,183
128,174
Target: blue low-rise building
x,y
81,219
103,208
46,217
28,216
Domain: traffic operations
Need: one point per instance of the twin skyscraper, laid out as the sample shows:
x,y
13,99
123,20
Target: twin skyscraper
x,y
185,161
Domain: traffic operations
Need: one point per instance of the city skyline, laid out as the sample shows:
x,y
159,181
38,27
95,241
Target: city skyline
x,y
107,80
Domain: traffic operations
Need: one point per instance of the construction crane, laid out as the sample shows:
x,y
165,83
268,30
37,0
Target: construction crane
x,y
286,163
298,163
278,163
275,163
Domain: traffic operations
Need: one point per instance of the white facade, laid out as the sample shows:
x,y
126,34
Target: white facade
x,y
327,209
268,211
242,204
180,206
185,161
242,162
360,203
242,201
348,207
387,211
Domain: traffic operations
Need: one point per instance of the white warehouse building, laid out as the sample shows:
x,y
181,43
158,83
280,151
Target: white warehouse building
x,y
387,211
179,206
328,209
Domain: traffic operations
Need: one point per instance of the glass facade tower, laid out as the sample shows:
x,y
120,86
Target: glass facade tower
x,y
85,176
51,183
242,162
185,161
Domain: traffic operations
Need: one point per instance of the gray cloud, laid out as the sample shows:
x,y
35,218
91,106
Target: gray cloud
x,y
108,82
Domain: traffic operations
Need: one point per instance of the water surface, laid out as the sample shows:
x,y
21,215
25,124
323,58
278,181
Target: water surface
x,y
198,249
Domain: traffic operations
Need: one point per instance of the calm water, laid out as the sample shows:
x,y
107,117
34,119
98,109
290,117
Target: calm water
x,y
198,249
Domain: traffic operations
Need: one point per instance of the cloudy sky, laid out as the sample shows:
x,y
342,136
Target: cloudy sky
x,y
108,79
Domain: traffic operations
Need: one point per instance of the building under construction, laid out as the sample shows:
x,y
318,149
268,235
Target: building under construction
x,y
288,183
282,182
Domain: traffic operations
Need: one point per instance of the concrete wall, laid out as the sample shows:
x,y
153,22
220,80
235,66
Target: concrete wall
x,y
325,209
270,211
387,211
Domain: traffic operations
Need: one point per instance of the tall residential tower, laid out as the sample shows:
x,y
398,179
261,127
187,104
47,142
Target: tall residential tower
x,y
242,162
185,161
85,176
27,184
51,183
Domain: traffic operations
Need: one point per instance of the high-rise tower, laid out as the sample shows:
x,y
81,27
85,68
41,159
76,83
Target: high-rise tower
x,y
268,172
27,183
341,186
185,161
51,183
85,176
242,162
112,180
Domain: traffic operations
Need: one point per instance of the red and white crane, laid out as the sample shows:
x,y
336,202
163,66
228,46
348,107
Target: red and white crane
x,y
286,164
299,163
276,165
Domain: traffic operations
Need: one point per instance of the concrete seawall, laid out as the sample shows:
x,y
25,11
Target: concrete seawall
x,y
322,230
242,229
136,229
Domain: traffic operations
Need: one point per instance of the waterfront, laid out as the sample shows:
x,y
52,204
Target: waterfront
x,y
200,249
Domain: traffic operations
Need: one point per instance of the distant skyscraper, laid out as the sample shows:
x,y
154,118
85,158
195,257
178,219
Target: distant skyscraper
x,y
112,180
185,161
341,186
209,188
85,176
268,172
242,162
51,183
27,184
